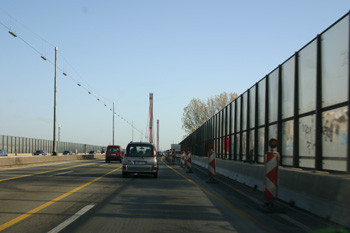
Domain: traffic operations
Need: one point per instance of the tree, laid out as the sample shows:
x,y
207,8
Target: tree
x,y
218,102
197,112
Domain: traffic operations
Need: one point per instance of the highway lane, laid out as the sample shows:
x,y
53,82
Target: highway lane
x,y
91,196
42,197
167,204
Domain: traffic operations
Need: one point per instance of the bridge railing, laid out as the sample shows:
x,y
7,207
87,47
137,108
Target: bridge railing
x,y
23,145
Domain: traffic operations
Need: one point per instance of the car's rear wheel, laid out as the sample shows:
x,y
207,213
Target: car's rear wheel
x,y
155,175
124,174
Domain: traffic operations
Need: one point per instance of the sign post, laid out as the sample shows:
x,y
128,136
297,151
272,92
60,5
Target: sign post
x,y
189,162
271,173
182,159
211,166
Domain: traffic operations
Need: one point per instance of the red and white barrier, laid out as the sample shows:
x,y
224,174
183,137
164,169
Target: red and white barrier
x,y
182,159
173,157
189,162
271,175
211,163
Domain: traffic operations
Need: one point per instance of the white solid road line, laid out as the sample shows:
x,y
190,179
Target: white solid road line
x,y
253,199
57,174
71,219
289,219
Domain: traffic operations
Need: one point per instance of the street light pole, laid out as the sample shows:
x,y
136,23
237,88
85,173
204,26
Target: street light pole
x,y
54,111
113,123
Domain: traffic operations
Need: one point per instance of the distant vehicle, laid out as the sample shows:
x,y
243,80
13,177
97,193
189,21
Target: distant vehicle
x,y
92,152
3,152
67,152
140,157
40,152
114,153
176,148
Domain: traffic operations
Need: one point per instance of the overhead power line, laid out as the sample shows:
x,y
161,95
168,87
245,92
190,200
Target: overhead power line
x,y
86,86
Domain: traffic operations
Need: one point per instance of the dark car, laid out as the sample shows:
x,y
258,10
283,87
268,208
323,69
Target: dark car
x,y
92,152
3,152
40,152
67,152
114,153
140,158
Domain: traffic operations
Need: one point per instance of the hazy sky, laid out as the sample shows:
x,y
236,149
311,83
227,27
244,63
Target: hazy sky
x,y
123,50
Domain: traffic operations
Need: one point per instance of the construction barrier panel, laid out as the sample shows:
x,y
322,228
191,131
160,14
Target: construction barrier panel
x,y
271,175
189,162
173,157
211,163
182,163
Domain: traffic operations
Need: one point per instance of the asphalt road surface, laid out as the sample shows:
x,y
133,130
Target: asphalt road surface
x,y
92,196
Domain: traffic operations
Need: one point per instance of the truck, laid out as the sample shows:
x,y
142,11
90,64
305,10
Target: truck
x,y
176,148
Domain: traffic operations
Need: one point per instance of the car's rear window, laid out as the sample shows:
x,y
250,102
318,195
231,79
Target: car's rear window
x,y
140,151
113,149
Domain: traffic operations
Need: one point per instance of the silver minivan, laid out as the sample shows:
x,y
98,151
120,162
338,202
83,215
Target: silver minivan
x,y
140,158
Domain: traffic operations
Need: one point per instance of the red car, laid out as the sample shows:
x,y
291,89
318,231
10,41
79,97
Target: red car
x,y
114,153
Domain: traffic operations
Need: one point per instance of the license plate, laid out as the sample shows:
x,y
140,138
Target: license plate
x,y
140,162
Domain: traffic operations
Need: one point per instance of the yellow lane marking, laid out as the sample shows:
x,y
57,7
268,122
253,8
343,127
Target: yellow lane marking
x,y
43,206
38,173
223,201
